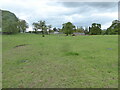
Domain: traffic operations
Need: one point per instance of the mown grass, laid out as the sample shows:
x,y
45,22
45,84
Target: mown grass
x,y
32,61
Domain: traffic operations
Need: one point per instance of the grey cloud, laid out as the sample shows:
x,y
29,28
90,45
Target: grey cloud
x,y
85,9
90,4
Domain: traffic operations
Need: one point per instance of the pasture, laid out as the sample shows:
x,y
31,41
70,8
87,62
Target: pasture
x,y
33,61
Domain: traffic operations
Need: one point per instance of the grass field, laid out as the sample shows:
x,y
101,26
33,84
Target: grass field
x,y
32,61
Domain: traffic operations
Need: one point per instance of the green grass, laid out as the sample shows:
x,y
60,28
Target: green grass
x,y
60,61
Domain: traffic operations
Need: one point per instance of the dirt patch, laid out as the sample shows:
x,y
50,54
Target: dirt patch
x,y
22,45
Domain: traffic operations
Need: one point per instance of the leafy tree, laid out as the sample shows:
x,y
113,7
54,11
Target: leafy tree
x,y
35,27
95,29
60,30
80,29
13,28
68,28
103,32
114,28
49,27
22,25
40,25
9,23
45,30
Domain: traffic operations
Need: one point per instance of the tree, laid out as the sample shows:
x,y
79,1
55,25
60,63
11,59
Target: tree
x,y
45,30
103,32
22,24
9,23
13,28
80,29
49,28
95,29
40,25
114,28
68,28
35,27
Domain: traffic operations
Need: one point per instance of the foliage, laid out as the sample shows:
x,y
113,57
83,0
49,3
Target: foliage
x,y
68,28
9,22
103,32
49,28
79,29
35,27
114,28
95,29
51,31
42,26
22,24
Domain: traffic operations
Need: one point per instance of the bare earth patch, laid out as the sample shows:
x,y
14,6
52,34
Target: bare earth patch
x,y
22,45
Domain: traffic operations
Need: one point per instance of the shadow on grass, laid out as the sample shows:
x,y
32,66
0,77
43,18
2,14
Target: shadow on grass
x,y
72,54
20,45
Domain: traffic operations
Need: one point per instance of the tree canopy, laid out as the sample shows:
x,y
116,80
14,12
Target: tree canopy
x,y
42,26
9,22
113,29
22,24
68,28
95,29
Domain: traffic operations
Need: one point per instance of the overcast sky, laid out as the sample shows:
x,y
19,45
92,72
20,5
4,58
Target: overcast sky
x,y
56,13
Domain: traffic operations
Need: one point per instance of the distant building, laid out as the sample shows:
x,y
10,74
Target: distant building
x,y
79,33
56,32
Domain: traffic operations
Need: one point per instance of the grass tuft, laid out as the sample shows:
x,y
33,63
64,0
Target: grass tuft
x,y
72,53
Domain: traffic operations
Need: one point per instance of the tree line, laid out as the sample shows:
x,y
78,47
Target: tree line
x,y
11,24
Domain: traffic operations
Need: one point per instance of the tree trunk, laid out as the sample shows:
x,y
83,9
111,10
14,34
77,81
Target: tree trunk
x,y
43,34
